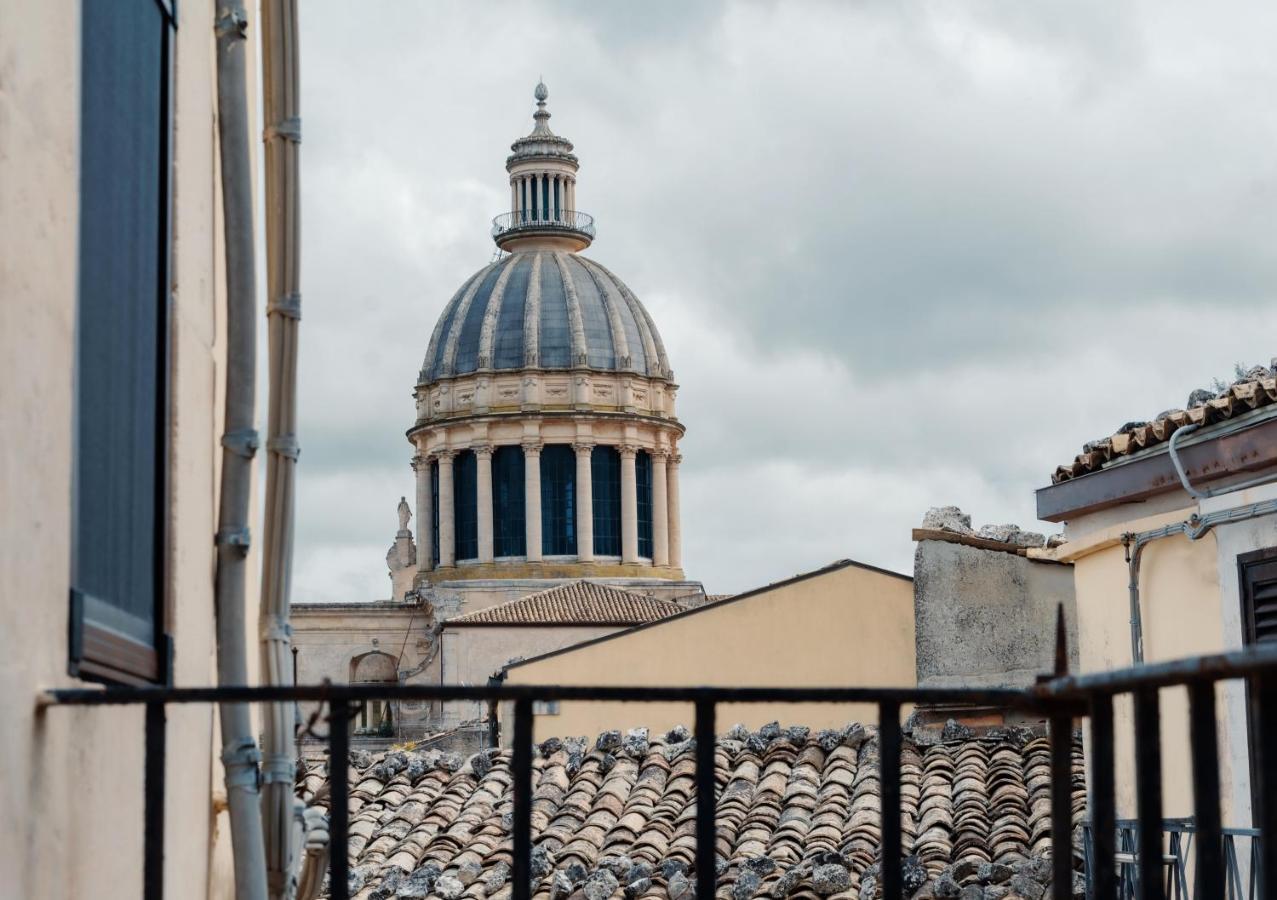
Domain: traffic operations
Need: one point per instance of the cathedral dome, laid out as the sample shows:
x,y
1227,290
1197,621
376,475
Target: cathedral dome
x,y
544,309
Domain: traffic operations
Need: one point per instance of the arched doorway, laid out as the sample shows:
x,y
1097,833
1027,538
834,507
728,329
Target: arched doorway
x,y
375,716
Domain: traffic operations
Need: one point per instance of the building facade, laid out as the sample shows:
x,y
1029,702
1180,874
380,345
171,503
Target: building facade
x,y
545,451
112,352
1171,528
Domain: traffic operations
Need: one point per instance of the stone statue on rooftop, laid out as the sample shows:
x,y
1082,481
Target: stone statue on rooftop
x,y
404,513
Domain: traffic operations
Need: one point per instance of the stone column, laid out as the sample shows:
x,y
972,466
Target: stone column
x,y
572,194
675,525
532,499
483,499
584,502
629,505
425,514
660,510
447,520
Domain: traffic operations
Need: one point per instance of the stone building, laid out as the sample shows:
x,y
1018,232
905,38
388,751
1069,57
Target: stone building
x,y
546,449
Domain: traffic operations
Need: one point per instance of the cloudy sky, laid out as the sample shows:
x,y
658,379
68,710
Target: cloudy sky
x,y
902,254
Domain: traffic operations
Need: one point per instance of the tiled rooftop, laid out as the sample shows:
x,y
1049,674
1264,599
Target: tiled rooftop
x,y
1257,388
575,603
798,816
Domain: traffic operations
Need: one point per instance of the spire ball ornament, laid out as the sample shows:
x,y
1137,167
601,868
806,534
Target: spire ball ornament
x,y
542,93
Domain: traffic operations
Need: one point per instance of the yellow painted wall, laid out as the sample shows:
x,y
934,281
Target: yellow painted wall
x,y
71,793
839,627
1181,609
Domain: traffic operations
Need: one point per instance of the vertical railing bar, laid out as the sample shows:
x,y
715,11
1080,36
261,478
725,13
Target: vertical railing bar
x,y
153,808
521,823
1148,792
1103,800
706,802
1264,688
1204,744
889,772
1062,805
339,799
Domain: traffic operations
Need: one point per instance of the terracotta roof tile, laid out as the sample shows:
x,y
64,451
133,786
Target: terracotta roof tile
x,y
789,805
1258,388
575,603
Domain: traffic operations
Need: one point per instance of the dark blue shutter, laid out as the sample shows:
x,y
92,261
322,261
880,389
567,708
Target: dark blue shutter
x,y
643,477
558,500
465,501
122,333
509,538
605,488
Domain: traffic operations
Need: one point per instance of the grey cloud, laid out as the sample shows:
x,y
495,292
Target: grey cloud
x,y
919,252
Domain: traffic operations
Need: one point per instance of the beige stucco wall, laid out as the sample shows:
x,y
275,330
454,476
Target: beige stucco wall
x,y
840,627
1189,604
471,655
71,795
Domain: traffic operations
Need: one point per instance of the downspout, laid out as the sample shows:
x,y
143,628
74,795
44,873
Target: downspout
x,y
1195,527
283,311
239,442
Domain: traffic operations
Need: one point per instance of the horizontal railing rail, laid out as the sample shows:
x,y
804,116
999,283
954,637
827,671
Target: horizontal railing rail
x,y
540,220
1179,835
1059,700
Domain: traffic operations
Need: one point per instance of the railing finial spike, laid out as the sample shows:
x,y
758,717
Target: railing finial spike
x,y
1061,642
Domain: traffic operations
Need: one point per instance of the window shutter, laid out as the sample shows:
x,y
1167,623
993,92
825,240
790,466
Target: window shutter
x,y
121,339
1260,589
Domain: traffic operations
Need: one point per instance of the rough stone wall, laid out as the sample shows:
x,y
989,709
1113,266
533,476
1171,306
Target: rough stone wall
x,y
987,617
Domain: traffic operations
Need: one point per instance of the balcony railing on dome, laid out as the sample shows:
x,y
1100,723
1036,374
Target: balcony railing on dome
x,y
543,220
1113,864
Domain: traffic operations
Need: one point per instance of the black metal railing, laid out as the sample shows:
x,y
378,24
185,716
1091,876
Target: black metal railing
x,y
1060,700
1241,878
543,220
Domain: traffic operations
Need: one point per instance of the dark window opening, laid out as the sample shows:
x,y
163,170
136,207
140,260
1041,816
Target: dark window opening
x,y
558,500
1257,577
509,537
465,491
605,487
643,480
434,511
117,624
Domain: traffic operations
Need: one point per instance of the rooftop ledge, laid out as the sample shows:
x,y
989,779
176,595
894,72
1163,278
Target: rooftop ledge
x,y
574,229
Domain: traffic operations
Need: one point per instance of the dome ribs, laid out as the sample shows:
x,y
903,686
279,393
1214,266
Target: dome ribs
x,y
616,328
447,365
532,316
430,365
580,356
488,330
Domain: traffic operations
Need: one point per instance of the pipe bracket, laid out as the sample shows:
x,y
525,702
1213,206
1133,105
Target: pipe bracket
x,y
232,22
289,129
241,762
279,769
234,537
242,443
284,445
289,305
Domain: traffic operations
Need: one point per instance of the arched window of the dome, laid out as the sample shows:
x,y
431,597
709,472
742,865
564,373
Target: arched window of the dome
x,y
434,511
558,500
465,504
605,487
643,482
509,537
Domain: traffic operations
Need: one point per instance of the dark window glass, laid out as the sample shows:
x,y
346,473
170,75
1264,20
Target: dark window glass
x,y
605,487
643,479
465,504
434,511
558,500
508,534
121,362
